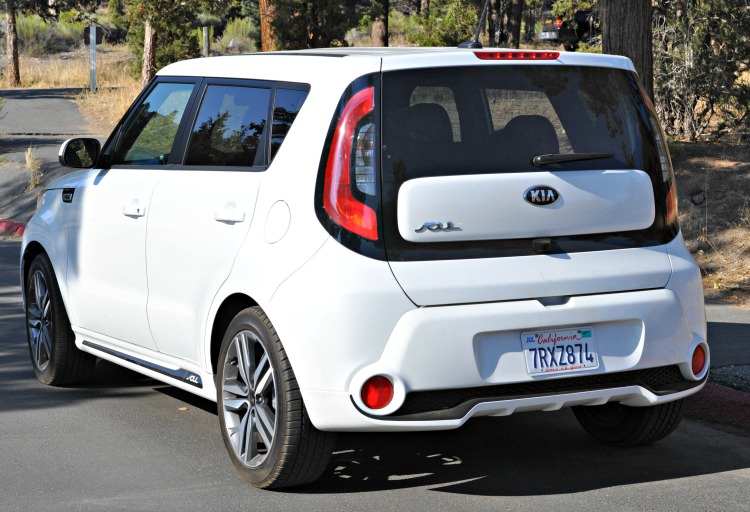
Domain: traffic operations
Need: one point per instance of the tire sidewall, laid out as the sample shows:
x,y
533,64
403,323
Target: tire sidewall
x,y
248,320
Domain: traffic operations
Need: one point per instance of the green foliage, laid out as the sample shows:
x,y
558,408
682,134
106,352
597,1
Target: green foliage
x,y
116,13
69,29
448,24
310,24
173,23
240,35
173,45
701,63
365,23
567,8
33,37
399,23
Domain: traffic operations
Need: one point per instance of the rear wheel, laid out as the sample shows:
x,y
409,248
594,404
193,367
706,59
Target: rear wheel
x,y
56,359
264,424
620,425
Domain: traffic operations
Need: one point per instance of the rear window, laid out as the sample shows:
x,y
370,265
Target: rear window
x,y
496,119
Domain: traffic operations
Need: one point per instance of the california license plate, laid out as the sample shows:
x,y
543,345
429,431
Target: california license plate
x,y
565,350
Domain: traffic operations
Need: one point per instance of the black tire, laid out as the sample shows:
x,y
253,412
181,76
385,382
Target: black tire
x,y
619,425
294,452
54,355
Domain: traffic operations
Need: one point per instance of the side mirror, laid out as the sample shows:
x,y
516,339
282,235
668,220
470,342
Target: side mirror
x,y
79,153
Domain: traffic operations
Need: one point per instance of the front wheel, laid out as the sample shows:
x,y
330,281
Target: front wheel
x,y
620,425
56,359
266,431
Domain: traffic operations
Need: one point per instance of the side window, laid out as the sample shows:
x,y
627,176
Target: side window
x,y
148,137
287,106
229,128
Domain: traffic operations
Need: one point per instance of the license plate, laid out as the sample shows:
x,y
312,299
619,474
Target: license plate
x,y
548,35
564,350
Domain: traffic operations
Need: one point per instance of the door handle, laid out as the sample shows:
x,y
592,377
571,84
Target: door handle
x,y
134,210
229,214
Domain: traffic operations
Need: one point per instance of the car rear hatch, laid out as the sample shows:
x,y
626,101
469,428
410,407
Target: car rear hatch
x,y
507,182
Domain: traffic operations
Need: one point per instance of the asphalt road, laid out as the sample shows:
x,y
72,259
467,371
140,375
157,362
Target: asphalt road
x,y
127,443
41,119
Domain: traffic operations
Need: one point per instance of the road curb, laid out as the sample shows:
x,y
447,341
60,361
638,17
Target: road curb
x,y
11,227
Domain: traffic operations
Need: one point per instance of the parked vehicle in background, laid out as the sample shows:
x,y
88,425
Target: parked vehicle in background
x,y
394,239
583,28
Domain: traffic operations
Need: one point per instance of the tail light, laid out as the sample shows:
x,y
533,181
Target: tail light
x,y
558,23
352,155
667,172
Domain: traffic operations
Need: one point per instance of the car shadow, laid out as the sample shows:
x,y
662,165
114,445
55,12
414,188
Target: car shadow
x,y
540,453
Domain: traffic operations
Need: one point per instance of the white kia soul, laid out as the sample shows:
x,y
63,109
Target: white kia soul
x,y
376,240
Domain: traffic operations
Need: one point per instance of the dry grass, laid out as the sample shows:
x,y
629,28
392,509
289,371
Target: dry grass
x,y
34,165
712,181
104,108
116,89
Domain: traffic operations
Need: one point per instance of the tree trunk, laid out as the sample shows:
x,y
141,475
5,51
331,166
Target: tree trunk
x,y
626,30
515,14
11,37
424,9
148,68
531,16
379,35
267,33
493,22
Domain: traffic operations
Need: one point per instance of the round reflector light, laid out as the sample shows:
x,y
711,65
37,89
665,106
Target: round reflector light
x,y
377,392
699,360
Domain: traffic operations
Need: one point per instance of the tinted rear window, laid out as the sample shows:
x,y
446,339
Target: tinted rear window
x,y
495,119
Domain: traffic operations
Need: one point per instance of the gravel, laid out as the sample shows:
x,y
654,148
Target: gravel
x,y
735,377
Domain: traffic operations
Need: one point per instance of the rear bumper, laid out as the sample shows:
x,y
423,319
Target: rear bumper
x,y
451,363
335,411
474,351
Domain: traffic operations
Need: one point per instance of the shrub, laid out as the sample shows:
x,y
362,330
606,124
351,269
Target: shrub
x,y
240,36
449,26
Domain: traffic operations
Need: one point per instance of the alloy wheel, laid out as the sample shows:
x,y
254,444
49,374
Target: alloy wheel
x,y
249,398
39,320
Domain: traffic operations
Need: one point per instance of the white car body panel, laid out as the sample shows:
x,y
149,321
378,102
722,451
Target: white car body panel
x,y
546,275
107,253
589,202
196,225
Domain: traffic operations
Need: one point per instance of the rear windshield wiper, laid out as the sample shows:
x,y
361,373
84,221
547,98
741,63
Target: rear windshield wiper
x,y
556,158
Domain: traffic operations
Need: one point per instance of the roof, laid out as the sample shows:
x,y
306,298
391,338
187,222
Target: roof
x,y
306,65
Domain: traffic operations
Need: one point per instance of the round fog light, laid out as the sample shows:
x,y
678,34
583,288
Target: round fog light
x,y
699,360
377,392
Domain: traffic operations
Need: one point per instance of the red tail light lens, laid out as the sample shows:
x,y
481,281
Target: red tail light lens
x,y
699,360
338,200
558,23
517,55
377,392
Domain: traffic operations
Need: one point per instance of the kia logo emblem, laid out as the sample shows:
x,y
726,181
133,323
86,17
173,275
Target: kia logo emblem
x,y
541,195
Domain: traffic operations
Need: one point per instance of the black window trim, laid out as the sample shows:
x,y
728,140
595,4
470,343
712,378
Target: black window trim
x,y
183,136
184,131
111,144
